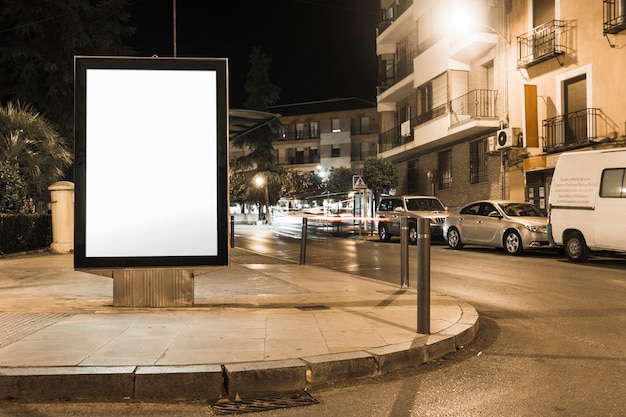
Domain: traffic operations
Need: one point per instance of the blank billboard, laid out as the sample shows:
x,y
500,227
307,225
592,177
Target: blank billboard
x,y
151,164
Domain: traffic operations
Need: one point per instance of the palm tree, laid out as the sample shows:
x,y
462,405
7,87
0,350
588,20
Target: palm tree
x,y
33,146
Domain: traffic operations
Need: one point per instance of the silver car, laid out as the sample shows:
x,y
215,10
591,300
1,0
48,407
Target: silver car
x,y
514,226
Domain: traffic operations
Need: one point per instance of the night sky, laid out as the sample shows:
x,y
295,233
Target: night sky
x,y
319,49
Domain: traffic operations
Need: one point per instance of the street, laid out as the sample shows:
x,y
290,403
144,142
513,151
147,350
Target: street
x,y
550,341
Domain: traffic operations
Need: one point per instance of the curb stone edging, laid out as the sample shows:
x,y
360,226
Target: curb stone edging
x,y
212,382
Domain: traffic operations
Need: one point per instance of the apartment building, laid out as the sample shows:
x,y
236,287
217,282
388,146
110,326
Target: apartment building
x,y
477,98
322,135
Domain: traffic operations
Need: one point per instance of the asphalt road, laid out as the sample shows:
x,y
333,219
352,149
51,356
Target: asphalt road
x,y
551,341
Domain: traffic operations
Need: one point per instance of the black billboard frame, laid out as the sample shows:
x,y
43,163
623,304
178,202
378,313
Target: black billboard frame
x,y
84,261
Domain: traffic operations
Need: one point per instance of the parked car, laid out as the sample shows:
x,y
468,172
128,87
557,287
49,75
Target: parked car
x,y
514,226
392,208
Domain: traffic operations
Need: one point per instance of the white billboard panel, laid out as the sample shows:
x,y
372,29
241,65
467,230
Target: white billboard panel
x,y
151,162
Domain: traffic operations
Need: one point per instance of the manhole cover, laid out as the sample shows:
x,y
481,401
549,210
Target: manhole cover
x,y
272,402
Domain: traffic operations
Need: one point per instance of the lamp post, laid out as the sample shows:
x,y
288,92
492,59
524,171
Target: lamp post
x,y
260,181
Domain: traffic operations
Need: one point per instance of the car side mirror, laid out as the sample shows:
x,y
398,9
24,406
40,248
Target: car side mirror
x,y
493,214
398,210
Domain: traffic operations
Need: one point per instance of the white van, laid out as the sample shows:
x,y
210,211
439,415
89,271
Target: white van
x,y
587,205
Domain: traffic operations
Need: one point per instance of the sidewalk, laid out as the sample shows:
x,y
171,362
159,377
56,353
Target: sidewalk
x,y
261,325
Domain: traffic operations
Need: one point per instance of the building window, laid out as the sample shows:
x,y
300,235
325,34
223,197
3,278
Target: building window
x,y
299,156
613,184
360,125
424,98
336,125
300,134
412,177
445,169
336,151
313,156
288,132
478,161
282,132
314,129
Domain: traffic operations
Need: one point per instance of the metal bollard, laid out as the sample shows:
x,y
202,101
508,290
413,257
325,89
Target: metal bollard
x,y
404,252
232,231
303,242
423,276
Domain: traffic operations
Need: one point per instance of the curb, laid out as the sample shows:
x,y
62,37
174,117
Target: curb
x,y
212,382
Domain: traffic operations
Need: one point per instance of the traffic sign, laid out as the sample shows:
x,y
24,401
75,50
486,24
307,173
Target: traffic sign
x,y
358,183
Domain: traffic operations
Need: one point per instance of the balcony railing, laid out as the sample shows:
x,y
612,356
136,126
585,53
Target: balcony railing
x,y
402,67
390,14
362,155
473,105
614,16
541,43
393,138
476,104
429,115
576,130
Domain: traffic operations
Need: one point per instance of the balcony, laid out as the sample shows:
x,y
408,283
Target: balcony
x,y
473,105
393,138
576,130
390,14
614,12
402,67
541,44
471,114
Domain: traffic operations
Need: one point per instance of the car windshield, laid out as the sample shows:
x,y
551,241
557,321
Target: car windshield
x,y
522,210
423,204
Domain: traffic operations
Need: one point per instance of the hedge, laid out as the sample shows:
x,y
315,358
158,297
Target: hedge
x,y
24,232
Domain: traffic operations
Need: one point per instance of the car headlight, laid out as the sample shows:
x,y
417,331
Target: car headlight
x,y
536,229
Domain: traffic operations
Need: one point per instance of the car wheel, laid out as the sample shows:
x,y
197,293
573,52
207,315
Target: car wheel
x,y
383,233
513,243
454,239
576,248
413,234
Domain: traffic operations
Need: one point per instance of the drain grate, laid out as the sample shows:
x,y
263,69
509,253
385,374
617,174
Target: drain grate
x,y
272,402
311,308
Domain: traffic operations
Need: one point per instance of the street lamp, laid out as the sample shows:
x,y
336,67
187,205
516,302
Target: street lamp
x,y
260,181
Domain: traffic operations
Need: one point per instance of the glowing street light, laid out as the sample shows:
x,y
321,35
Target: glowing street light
x,y
259,181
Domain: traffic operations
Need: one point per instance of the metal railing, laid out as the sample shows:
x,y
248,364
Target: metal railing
x,y
402,68
540,44
475,104
614,12
429,115
393,138
578,129
390,14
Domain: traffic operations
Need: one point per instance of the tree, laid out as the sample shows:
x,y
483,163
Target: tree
x,y
380,176
39,41
34,147
13,191
298,185
339,180
261,93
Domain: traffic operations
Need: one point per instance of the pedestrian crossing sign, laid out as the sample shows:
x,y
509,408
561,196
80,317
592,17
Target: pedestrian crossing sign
x,y
358,183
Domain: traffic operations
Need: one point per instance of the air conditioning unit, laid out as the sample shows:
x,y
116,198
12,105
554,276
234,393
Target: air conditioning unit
x,y
511,137
492,142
